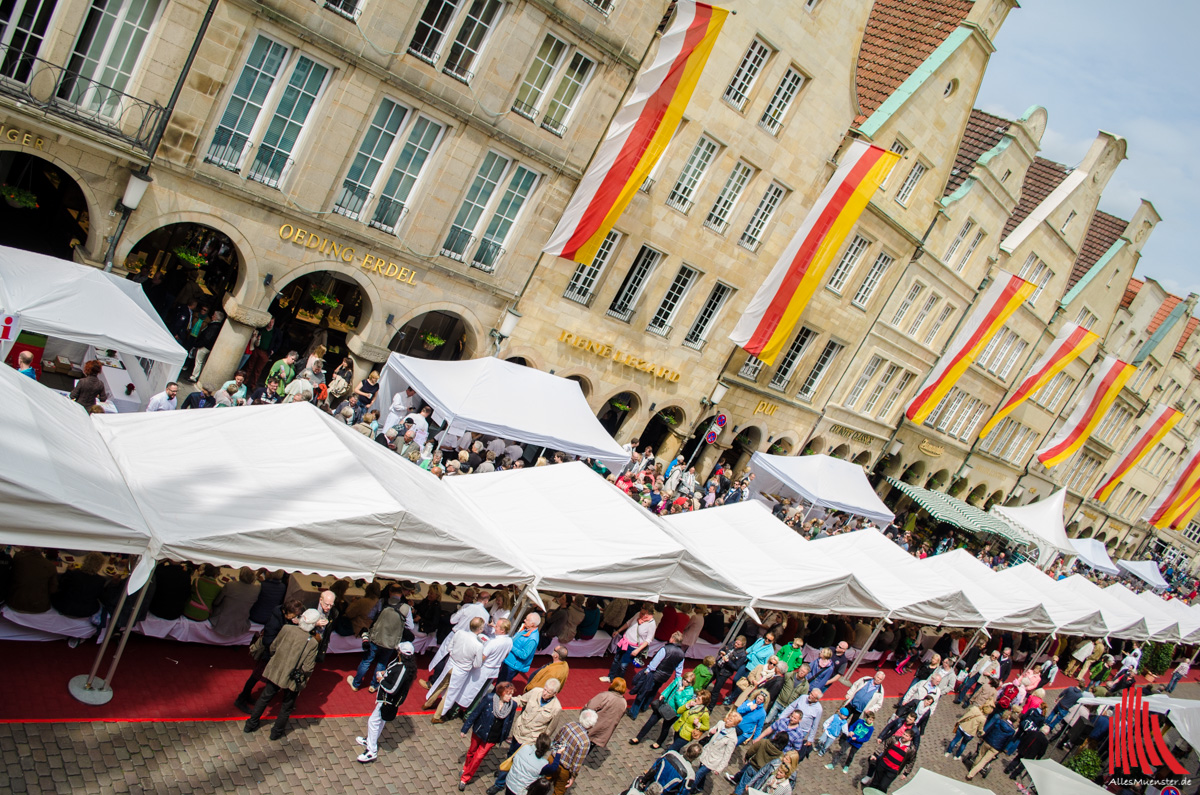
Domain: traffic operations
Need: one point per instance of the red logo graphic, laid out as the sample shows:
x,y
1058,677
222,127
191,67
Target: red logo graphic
x,y
1135,740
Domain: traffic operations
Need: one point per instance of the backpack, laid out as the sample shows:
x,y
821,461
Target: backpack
x,y
1006,696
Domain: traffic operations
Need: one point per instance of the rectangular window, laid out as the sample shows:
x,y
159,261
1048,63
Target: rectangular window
x,y
847,264
682,196
961,420
880,387
747,72
698,333
1085,318
567,94
966,257
246,102
1145,374
545,63
394,201
958,241
487,179
660,324
910,183
830,352
937,410
275,152
718,216
751,238
603,6
899,148
777,108
902,310
871,280
1023,450
751,368
931,335
865,378
906,378
468,224
491,247
1038,273
783,373
930,302
431,29
107,50
381,134
22,31
346,8
951,409
477,25
1014,356
625,300
583,283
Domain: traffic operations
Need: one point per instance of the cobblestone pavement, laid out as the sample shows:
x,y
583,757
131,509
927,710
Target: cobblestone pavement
x,y
318,756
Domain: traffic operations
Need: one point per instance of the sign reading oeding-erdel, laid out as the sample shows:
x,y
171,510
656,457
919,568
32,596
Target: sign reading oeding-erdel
x,y
338,251
607,351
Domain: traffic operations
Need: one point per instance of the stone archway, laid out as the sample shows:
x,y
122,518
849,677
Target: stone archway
x,y
863,459
660,428
436,334
977,494
691,448
996,497
62,216
521,360
842,451
320,309
815,446
937,480
1087,532
180,262
616,409
913,473
1072,529
745,443
585,385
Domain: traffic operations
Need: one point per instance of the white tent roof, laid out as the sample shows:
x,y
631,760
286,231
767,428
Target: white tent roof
x,y
1160,623
895,579
1093,553
287,487
59,485
83,304
1069,611
1042,522
1187,616
1051,778
770,561
581,534
822,480
508,400
1122,620
1146,571
926,782
1002,608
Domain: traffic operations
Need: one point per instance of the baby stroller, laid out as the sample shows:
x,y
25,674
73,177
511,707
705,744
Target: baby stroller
x,y
669,775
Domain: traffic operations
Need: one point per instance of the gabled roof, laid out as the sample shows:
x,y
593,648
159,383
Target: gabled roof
x,y
900,35
1041,179
1169,303
983,132
1104,230
1187,333
1131,291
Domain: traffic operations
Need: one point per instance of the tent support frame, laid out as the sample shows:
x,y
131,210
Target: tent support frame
x,y
84,688
848,676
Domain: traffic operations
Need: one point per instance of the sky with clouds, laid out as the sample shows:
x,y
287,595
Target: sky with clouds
x,y
1128,69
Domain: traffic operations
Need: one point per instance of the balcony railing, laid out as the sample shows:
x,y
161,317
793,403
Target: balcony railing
x,y
61,92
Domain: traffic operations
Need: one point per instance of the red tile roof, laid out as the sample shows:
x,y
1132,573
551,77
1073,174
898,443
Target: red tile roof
x,y
1104,230
1187,333
983,132
1131,291
1041,179
900,35
1169,303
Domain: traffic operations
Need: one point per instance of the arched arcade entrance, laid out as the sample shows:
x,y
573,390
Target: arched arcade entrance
x,y
432,335
179,262
659,428
614,411
44,210
318,309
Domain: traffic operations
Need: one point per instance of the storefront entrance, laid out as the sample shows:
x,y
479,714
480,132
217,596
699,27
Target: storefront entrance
x,y
433,335
43,209
179,262
315,310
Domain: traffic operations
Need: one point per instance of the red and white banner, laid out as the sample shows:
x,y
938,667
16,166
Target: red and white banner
x,y
1090,407
1160,422
1179,500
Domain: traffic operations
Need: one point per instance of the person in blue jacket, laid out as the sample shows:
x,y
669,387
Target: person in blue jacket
x,y
489,723
524,644
854,738
759,652
995,739
754,713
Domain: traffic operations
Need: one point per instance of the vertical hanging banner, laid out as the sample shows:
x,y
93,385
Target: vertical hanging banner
x,y
1180,497
639,132
776,307
1071,341
991,311
1090,408
1186,511
1161,421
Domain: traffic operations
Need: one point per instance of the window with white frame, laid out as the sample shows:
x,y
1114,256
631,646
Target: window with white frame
x,y
931,301
956,397
959,239
475,21
931,335
603,6
22,32
1014,356
1085,318
960,422
396,196
107,49
656,169
937,410
787,363
489,211
848,262
372,151
625,301
777,108
683,195
1145,373
1049,395
864,378
1113,424
880,387
547,61
566,96
582,286
1038,273
751,367
1066,223
1081,473
966,255
910,183
753,234
820,367
718,216
902,383
900,148
866,288
660,324
698,333
245,117
747,73
911,296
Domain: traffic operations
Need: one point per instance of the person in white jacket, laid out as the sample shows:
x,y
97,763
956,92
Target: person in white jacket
x,y
719,750
495,650
466,654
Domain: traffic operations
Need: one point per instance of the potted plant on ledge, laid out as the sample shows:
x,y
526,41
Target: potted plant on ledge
x,y
190,256
430,340
19,198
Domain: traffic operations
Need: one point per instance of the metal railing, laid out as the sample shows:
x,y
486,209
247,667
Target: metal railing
x,y
487,255
526,110
65,93
388,213
457,243
345,8
661,329
751,368
556,127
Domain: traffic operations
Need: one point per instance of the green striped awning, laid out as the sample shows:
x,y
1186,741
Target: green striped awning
x,y
953,511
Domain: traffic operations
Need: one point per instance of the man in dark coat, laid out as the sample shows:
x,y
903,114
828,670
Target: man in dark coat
x,y
392,688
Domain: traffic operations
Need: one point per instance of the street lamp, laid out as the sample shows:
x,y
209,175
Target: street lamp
x,y
507,326
718,394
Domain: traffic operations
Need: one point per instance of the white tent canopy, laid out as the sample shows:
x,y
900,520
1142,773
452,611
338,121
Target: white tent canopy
x,y
503,399
1042,523
1002,608
580,534
82,304
1160,624
1093,553
1146,571
1051,778
1069,611
770,562
1122,620
926,782
821,480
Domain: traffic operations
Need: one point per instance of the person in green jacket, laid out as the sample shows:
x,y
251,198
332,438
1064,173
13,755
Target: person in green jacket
x,y
285,371
792,654
676,696
693,720
703,672
204,592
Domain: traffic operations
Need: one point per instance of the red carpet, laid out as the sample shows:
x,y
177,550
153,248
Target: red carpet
x,y
165,680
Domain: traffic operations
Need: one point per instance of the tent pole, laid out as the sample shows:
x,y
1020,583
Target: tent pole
x,y
108,633
732,633
847,677
1041,649
137,606
520,608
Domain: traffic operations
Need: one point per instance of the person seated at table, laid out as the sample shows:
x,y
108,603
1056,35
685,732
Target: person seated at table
x,y
590,624
358,613
429,610
174,589
204,592
79,590
270,596
113,589
231,607
34,580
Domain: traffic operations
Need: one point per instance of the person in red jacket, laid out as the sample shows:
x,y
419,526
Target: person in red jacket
x,y
896,759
